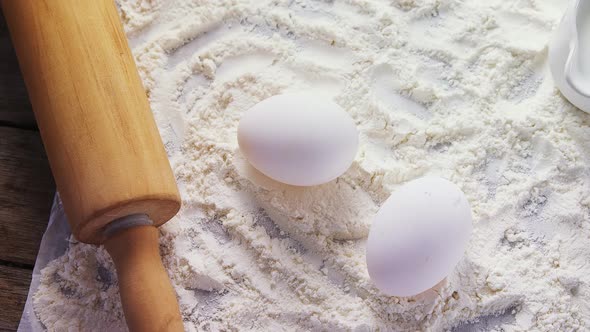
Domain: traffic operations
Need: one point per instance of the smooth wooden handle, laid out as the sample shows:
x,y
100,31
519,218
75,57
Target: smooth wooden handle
x,y
103,145
148,299
102,142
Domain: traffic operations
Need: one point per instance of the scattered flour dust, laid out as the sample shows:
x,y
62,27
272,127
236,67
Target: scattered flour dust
x,y
453,88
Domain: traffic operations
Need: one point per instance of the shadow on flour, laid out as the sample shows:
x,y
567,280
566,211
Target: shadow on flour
x,y
491,322
273,231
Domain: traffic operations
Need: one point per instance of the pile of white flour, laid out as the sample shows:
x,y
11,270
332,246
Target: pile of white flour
x,y
454,88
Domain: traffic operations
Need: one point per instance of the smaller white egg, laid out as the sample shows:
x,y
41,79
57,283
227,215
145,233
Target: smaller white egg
x,y
299,139
418,236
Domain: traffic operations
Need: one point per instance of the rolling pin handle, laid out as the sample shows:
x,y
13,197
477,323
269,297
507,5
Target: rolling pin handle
x,y
147,296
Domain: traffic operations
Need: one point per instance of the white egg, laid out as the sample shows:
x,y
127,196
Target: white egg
x,y
418,236
298,139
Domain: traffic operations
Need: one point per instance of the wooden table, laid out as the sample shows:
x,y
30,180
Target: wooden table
x,y
26,188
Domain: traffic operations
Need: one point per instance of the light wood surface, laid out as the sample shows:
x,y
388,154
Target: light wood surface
x,y
102,143
145,288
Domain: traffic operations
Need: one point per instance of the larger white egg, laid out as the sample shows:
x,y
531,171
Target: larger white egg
x,y
298,139
418,236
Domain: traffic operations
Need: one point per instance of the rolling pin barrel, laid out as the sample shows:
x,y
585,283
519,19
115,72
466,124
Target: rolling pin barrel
x,y
102,143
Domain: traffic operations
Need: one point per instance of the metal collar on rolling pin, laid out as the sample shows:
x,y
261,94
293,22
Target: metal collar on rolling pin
x,y
131,220
100,137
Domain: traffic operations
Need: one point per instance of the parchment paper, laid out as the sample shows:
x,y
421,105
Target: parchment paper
x,y
54,243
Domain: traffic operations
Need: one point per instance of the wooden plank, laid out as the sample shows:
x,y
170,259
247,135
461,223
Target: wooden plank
x,y
14,287
26,193
15,108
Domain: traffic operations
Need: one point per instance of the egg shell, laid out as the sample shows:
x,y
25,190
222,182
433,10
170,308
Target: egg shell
x,y
418,236
299,139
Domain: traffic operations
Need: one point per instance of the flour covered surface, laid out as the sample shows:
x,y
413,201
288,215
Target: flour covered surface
x,y
455,89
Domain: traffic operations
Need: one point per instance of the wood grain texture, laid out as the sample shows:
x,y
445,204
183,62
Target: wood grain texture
x,y
101,139
143,281
102,142
26,193
26,187
15,108
14,287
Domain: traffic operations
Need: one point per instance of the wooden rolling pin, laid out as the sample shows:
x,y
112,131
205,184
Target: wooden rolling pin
x,y
103,145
